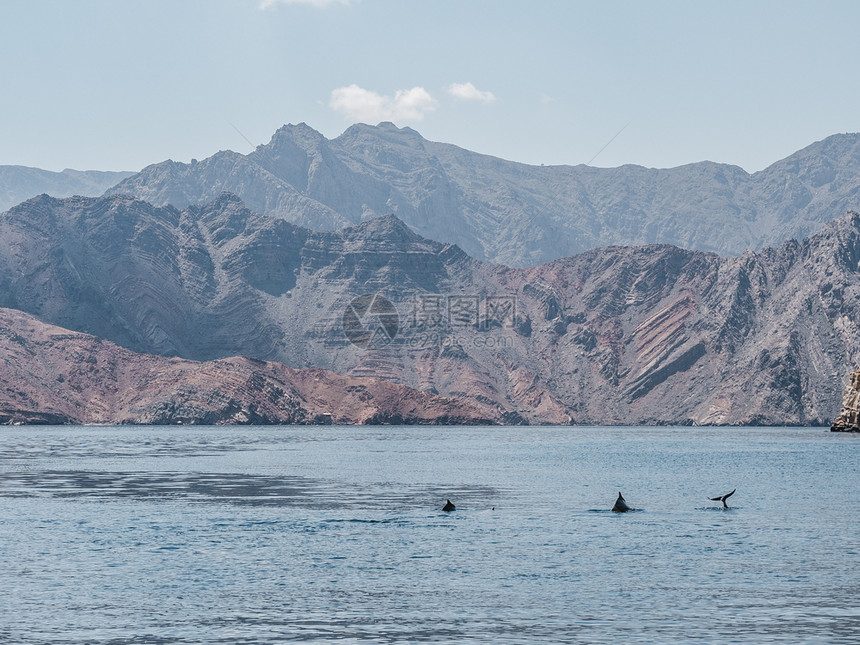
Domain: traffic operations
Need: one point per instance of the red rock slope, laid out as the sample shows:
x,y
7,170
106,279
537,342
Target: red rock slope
x,y
52,375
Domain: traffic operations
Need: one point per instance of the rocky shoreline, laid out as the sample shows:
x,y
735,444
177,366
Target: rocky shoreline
x,y
849,418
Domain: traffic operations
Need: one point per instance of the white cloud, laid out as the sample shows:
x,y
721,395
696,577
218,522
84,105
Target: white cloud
x,y
267,4
359,104
468,92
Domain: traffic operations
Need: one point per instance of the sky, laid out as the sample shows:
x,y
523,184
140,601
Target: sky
x,y
110,85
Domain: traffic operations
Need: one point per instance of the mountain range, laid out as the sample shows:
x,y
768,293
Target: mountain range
x,y
617,335
512,213
20,183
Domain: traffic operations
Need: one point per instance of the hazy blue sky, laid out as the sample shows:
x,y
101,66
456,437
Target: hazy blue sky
x,y
120,84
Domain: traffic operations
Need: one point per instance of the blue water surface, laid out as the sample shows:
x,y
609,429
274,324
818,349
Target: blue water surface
x,y
331,534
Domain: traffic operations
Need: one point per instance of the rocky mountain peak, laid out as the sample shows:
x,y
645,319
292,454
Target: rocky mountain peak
x,y
405,131
386,133
841,230
40,204
300,135
37,201
836,146
819,163
226,206
387,228
226,200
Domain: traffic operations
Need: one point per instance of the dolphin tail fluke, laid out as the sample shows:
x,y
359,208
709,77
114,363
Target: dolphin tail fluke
x,y
723,498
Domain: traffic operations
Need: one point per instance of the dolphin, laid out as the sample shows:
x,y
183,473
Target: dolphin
x,y
448,506
620,505
723,498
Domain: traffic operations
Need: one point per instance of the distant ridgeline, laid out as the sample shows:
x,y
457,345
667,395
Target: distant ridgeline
x,y
513,213
20,183
495,210
849,418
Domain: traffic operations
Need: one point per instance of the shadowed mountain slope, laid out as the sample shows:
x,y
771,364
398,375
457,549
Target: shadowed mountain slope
x,y
650,334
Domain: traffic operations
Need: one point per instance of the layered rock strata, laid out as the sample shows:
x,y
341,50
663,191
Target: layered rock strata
x,y
620,335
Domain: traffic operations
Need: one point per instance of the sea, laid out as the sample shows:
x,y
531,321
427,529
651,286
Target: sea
x,y
326,534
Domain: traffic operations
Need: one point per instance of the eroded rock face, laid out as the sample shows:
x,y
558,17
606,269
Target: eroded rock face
x,y
619,335
54,376
849,417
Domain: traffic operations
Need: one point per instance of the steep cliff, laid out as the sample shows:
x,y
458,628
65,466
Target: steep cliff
x,y
849,417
